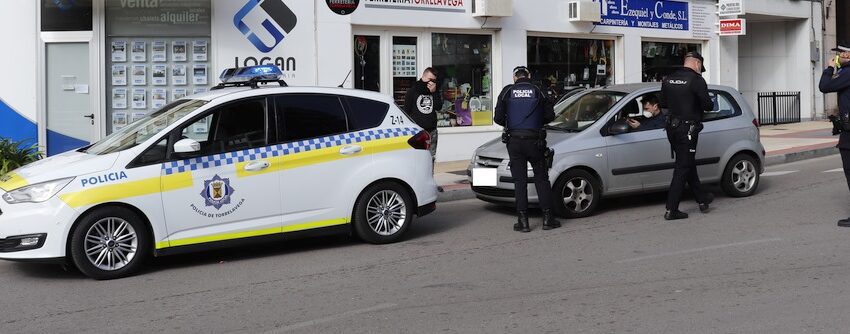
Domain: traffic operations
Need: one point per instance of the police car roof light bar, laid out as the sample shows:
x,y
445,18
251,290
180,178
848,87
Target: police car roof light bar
x,y
250,76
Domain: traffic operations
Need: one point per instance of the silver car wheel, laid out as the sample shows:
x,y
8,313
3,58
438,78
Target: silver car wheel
x,y
386,212
744,176
578,195
111,243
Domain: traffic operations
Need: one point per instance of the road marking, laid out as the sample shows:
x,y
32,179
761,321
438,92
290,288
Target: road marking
x,y
834,170
332,318
695,250
779,173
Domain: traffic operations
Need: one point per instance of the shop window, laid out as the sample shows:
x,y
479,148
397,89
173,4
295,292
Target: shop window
x,y
561,65
405,72
151,60
463,64
365,114
310,116
367,63
66,15
660,59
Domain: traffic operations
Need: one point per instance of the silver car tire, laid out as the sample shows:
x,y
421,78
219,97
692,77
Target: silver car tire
x,y
576,194
383,213
110,243
741,176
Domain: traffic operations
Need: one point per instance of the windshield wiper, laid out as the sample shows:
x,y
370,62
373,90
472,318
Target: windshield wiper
x,y
552,127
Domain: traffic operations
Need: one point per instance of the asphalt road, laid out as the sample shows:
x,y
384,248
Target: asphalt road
x,y
771,263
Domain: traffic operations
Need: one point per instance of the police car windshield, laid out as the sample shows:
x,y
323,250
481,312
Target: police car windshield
x,y
145,128
581,111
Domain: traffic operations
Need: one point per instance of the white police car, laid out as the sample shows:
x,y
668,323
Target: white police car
x,y
234,165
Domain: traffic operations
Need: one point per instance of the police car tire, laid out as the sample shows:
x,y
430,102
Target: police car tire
x,y
559,188
77,249
361,224
726,183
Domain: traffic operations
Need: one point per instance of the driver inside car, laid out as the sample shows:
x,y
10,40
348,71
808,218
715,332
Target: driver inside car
x,y
655,119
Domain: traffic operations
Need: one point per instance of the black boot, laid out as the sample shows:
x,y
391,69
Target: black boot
x,y
844,222
703,207
675,214
549,221
522,222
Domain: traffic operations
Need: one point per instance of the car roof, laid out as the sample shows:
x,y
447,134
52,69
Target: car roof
x,y
634,87
274,89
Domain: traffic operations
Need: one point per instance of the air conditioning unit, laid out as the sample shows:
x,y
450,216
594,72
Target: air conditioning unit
x,y
584,11
481,8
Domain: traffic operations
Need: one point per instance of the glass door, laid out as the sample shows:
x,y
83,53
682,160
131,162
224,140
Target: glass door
x,y
404,66
367,62
70,116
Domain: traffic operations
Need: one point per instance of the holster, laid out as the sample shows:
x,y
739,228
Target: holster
x,y
506,137
549,156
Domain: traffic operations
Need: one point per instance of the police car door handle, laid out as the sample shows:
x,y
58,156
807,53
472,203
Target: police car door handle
x,y
350,149
256,166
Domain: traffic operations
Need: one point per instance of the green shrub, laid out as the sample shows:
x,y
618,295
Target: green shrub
x,y
14,154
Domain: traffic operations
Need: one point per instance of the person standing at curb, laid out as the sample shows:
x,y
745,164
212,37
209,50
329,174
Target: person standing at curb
x,y
421,103
836,79
685,93
523,110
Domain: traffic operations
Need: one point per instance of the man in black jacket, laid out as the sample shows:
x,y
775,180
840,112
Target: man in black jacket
x,y
422,102
685,94
836,79
523,110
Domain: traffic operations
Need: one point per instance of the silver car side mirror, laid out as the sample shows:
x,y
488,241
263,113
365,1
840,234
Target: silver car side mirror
x,y
186,145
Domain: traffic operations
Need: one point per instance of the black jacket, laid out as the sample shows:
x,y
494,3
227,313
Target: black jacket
x,y
422,105
685,94
501,112
839,84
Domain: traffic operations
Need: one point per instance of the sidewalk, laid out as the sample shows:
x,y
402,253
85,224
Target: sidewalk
x,y
783,143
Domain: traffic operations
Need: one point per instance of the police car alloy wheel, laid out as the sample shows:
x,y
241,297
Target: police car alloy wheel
x,y
383,213
109,243
741,176
577,194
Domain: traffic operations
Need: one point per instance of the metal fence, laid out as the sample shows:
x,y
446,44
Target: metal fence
x,y
778,107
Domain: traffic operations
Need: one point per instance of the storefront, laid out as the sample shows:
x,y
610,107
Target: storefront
x,y
92,76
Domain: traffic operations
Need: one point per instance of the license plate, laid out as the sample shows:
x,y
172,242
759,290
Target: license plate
x,y
484,177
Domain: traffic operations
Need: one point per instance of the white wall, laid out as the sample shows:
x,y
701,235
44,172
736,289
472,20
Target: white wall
x,y
19,27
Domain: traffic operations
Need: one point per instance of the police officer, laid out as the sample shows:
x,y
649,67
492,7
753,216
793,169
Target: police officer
x,y
523,109
836,78
685,93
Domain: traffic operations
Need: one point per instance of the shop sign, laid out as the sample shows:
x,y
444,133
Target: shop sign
x,y
343,7
653,14
161,18
273,32
733,27
730,7
456,6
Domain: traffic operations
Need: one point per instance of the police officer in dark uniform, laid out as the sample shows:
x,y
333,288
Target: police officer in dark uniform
x,y
836,79
523,110
685,93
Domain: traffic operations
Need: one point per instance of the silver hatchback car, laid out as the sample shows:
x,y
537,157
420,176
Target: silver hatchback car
x,y
598,155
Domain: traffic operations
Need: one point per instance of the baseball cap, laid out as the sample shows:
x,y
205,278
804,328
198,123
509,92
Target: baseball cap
x,y
840,47
694,54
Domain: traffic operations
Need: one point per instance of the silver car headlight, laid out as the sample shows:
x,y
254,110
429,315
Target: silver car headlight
x,y
36,193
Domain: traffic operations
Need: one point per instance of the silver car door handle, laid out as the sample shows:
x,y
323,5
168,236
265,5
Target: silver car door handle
x,y
255,166
350,149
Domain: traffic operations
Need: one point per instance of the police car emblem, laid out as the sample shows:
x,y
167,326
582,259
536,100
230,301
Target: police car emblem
x,y
217,192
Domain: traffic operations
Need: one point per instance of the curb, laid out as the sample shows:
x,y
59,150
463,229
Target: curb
x,y
463,193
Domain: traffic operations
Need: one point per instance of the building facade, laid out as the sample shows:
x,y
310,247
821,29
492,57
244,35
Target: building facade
x,y
83,69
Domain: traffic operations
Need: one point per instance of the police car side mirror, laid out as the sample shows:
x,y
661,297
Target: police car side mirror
x,y
186,145
618,128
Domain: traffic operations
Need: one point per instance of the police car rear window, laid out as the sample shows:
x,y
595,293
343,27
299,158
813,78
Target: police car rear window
x,y
365,114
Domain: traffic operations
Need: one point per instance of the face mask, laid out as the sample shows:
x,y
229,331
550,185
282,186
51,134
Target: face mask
x,y
647,114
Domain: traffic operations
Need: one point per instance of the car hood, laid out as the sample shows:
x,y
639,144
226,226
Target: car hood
x,y
68,164
496,149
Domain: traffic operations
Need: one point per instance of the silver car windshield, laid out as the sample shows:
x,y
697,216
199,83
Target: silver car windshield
x,y
581,111
145,128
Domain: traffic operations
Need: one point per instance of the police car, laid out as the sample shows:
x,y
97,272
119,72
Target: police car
x,y
245,162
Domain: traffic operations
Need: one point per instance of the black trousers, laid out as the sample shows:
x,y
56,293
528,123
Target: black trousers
x,y
685,168
521,152
845,160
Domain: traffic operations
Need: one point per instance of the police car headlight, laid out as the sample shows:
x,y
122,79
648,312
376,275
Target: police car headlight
x,y
36,193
